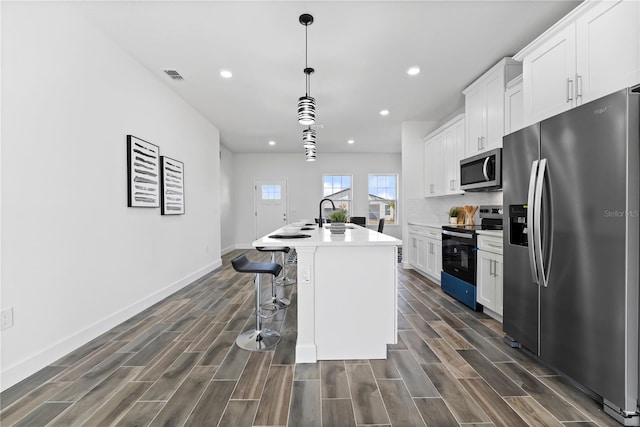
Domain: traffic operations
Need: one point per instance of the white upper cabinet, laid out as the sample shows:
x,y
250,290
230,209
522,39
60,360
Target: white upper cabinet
x,y
484,107
433,166
548,75
513,106
608,56
593,51
443,150
453,141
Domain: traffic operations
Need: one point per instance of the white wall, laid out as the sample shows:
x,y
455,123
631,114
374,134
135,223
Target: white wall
x,y
227,196
75,260
305,184
413,134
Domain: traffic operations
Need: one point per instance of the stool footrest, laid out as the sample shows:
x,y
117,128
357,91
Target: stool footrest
x,y
258,340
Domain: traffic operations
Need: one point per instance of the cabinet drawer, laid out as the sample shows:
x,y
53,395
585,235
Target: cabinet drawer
x,y
434,233
418,230
490,244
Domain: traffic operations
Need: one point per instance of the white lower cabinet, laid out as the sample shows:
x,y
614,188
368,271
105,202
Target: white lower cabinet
x,y
425,250
434,257
418,259
489,275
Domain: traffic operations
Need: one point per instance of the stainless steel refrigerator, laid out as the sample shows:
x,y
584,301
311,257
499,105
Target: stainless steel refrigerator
x,y
571,200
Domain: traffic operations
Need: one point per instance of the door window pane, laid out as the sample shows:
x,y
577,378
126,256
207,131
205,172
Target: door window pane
x,y
271,192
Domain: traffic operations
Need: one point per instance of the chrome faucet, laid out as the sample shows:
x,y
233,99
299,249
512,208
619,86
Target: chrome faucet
x,y
320,209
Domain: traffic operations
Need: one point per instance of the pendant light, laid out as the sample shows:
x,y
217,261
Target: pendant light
x,y
310,154
309,144
306,103
309,138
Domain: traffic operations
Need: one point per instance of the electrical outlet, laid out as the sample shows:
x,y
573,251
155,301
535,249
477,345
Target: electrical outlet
x,y
306,275
6,318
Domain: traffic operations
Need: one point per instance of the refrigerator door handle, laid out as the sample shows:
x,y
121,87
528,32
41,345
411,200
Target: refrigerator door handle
x,y
530,222
537,221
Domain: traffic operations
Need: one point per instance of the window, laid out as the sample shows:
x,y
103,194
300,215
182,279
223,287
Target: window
x,y
271,192
337,188
383,199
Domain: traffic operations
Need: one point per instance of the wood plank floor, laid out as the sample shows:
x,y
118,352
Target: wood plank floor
x,y
176,364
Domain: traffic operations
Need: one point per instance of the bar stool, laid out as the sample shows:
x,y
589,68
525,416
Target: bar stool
x,y
275,301
284,280
259,339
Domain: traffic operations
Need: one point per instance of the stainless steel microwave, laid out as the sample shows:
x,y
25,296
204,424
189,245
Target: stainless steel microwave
x,y
482,172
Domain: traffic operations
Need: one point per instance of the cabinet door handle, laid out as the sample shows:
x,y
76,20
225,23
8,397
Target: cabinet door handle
x,y
578,86
569,89
479,143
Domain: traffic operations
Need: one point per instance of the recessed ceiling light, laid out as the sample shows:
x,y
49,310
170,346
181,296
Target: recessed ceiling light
x,y
351,141
413,71
226,74
384,112
272,143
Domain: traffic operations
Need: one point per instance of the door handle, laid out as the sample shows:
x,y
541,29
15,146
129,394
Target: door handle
x,y
569,89
537,221
578,86
530,222
485,167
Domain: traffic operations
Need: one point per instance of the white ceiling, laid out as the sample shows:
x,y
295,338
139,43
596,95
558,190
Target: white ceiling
x,y
359,49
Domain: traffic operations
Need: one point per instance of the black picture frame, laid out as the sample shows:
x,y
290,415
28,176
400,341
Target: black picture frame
x,y
172,179
143,173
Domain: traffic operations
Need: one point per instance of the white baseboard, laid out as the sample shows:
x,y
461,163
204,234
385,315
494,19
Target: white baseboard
x,y
19,371
228,249
244,246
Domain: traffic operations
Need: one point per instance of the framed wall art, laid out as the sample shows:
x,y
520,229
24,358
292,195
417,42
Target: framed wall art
x,y
172,178
143,176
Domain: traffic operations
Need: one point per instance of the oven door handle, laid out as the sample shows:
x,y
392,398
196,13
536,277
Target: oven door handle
x,y
456,234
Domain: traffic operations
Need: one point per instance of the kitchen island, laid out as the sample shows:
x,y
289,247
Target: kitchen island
x,y
347,293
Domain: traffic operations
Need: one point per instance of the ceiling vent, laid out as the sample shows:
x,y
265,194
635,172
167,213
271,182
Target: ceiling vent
x,y
174,74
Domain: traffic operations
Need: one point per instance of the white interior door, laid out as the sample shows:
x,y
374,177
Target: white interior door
x,y
271,205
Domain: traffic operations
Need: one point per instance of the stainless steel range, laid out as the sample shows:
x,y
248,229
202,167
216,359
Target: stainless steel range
x,y
459,246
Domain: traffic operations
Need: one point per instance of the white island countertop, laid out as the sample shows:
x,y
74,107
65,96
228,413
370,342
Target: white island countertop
x,y
353,236
346,293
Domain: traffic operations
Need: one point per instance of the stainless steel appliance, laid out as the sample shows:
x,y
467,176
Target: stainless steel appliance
x,y
459,246
482,172
571,190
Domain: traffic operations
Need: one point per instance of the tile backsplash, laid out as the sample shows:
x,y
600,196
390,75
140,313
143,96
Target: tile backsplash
x,y
436,209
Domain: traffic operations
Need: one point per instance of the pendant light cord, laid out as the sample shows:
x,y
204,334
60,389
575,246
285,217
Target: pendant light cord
x,y
306,58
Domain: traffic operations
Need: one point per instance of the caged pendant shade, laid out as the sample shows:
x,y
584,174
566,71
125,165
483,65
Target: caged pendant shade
x,y
309,138
310,155
306,110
